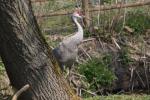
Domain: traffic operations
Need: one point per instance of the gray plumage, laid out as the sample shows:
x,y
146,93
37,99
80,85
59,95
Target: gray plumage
x,y
66,51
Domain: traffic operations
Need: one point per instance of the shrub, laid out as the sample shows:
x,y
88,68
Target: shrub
x,y
138,20
124,57
97,73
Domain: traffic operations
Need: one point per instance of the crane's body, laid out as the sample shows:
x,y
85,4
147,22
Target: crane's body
x,y
66,52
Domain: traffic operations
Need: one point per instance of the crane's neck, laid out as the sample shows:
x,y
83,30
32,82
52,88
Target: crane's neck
x,y
79,33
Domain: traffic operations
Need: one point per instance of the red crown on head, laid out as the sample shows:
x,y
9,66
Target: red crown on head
x,y
78,11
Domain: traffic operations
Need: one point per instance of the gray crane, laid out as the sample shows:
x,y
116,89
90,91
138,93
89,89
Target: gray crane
x,y
66,52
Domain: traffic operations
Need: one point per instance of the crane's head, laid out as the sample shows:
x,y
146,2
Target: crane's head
x,y
77,13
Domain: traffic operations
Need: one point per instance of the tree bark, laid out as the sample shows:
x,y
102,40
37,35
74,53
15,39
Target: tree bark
x,y
26,55
85,7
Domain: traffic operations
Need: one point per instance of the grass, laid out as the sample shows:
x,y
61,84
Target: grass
x,y
120,97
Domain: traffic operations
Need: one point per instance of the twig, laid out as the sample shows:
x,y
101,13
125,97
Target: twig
x,y
86,53
132,86
140,78
128,29
145,65
78,91
84,61
100,42
77,74
77,61
131,79
89,39
92,93
117,45
132,71
52,47
19,92
145,72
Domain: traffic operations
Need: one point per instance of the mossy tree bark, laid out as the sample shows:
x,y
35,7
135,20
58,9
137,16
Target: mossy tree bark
x,y
26,55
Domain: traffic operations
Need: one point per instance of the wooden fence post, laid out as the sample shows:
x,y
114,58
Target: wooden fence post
x,y
86,8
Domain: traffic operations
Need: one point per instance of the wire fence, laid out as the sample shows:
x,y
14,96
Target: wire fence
x,y
54,16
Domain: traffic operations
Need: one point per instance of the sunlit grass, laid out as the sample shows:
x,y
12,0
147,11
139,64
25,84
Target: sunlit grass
x,y
120,97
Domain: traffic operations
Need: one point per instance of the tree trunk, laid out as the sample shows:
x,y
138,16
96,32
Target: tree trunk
x,y
26,55
85,7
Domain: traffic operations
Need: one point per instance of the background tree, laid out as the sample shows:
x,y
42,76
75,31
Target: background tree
x,y
26,55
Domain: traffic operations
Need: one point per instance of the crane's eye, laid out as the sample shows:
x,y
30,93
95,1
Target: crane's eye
x,y
78,14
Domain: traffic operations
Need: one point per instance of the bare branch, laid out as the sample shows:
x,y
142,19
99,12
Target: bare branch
x,y
140,78
92,93
115,42
19,92
85,52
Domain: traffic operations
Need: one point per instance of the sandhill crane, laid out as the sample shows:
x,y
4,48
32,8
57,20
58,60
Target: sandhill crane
x,y
66,51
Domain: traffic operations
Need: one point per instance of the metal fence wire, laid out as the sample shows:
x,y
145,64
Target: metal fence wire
x,y
54,15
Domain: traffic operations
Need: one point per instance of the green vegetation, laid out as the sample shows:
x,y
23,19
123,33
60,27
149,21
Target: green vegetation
x,y
120,97
56,22
87,33
138,20
97,73
125,57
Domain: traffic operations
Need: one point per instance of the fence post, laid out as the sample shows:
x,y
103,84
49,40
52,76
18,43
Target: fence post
x,y
85,7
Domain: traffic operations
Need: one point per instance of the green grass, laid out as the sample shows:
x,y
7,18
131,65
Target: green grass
x,y
120,97
56,22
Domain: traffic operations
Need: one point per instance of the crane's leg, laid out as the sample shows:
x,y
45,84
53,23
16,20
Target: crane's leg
x,y
67,72
62,66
